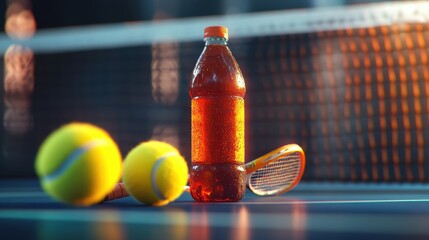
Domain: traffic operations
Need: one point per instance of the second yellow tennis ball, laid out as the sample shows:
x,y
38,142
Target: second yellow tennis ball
x,y
155,173
78,164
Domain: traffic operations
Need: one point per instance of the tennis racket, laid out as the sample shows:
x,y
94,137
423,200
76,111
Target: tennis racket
x,y
271,174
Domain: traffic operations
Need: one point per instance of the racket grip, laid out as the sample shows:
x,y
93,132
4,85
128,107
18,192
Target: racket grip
x,y
118,192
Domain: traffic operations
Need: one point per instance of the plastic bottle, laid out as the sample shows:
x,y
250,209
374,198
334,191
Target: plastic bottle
x,y
217,107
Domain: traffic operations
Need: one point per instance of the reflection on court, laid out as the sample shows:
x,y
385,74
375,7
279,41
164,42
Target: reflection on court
x,y
310,211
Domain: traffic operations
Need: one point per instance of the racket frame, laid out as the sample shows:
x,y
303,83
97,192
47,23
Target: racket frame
x,y
273,156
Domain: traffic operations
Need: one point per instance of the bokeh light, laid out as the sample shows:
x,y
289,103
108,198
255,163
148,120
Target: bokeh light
x,y
20,21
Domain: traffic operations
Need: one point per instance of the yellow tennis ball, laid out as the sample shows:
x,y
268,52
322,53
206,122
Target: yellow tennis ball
x,y
155,173
78,164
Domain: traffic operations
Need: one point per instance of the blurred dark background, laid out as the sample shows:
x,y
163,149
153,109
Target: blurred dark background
x,y
140,93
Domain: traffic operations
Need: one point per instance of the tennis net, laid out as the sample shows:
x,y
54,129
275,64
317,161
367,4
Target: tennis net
x,y
349,84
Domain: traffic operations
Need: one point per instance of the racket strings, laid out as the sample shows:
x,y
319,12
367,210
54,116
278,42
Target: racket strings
x,y
276,176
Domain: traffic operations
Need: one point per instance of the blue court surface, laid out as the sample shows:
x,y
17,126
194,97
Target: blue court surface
x,y
310,211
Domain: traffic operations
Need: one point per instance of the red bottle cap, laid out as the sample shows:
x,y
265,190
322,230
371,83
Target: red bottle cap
x,y
216,31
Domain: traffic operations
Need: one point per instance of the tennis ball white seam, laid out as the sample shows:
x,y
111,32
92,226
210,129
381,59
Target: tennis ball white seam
x,y
155,167
72,157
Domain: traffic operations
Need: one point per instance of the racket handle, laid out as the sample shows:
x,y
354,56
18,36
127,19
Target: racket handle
x,y
118,192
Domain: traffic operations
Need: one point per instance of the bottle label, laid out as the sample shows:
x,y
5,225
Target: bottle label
x,y
217,129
